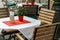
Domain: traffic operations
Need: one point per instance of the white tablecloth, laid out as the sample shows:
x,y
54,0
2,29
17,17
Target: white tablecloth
x,y
33,22
28,32
25,29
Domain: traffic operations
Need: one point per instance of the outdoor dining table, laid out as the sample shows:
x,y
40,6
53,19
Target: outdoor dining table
x,y
25,28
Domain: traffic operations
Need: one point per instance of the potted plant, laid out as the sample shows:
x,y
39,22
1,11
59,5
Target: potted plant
x,y
21,12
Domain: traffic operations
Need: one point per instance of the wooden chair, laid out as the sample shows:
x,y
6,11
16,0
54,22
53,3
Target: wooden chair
x,y
4,13
32,12
44,32
46,16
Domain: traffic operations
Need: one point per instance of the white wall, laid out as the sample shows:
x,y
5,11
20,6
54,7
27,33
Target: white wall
x,y
0,0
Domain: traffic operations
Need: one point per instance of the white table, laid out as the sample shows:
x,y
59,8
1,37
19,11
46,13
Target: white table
x,y
21,4
25,29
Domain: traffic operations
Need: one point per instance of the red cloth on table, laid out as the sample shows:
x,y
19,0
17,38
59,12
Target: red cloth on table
x,y
16,22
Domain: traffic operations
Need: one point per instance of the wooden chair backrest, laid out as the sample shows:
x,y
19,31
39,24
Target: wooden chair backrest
x,y
45,32
3,12
46,15
32,11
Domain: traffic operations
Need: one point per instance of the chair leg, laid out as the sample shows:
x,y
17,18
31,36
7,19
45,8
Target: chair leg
x,y
19,36
14,36
10,37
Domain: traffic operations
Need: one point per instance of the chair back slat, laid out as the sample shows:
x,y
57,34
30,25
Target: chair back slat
x,y
44,21
44,37
45,32
47,10
3,12
46,15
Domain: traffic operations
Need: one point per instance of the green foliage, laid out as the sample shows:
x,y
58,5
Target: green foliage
x,y
56,3
21,11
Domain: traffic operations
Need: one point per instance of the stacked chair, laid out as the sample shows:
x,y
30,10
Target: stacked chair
x,y
47,29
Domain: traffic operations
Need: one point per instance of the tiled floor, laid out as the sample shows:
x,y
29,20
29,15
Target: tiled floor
x,y
7,37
